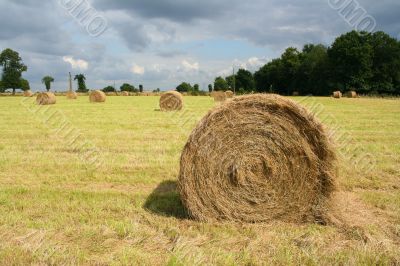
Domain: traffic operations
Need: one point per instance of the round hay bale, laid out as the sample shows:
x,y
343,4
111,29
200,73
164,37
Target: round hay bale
x,y
337,94
171,101
97,97
219,96
46,98
28,93
124,93
258,158
351,94
229,94
71,95
296,93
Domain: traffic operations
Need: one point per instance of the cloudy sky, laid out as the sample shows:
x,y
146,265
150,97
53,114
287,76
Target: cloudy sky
x,y
160,43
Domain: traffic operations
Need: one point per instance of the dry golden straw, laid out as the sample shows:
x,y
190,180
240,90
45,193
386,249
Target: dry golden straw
x,y
229,94
351,94
46,98
71,95
28,93
337,95
124,93
97,96
258,158
219,96
171,101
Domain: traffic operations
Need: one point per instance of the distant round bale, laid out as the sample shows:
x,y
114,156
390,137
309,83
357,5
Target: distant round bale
x,y
229,94
337,94
124,93
97,96
46,98
219,96
171,101
28,93
71,95
351,94
258,158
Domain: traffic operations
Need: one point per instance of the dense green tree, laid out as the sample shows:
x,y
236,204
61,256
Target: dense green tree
x,y
184,87
270,77
220,84
351,59
313,75
128,87
109,89
244,79
47,80
385,63
81,83
290,65
12,67
210,88
140,88
25,86
231,80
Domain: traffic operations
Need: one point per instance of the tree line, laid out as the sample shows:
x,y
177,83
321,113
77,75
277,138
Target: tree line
x,y
368,63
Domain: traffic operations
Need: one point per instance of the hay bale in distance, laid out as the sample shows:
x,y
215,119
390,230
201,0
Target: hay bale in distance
x,y
229,94
219,96
124,93
46,98
171,101
28,93
337,94
71,95
97,97
258,158
351,94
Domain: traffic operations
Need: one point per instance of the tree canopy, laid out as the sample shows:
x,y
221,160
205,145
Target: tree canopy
x,y
12,69
128,87
47,80
81,83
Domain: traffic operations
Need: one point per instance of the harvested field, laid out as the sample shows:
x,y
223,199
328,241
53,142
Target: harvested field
x,y
57,210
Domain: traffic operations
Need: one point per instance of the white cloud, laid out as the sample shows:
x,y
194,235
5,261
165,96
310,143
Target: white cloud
x,y
190,66
76,64
252,64
139,70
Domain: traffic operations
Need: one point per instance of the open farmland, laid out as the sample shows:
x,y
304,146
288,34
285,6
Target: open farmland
x,y
55,208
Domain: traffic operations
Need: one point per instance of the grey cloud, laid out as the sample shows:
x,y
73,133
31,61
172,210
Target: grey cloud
x,y
176,10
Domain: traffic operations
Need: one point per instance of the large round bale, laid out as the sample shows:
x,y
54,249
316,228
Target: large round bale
x,y
171,101
97,97
46,98
71,95
351,94
219,96
229,94
28,93
258,158
337,94
124,93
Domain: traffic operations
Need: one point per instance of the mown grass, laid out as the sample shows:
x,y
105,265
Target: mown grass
x,y
57,209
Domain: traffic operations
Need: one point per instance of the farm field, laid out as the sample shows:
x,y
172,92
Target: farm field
x,y
55,208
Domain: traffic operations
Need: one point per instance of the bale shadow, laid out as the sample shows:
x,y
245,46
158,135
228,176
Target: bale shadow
x,y
166,201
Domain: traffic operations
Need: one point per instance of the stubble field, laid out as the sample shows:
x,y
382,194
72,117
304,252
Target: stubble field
x,y
57,208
